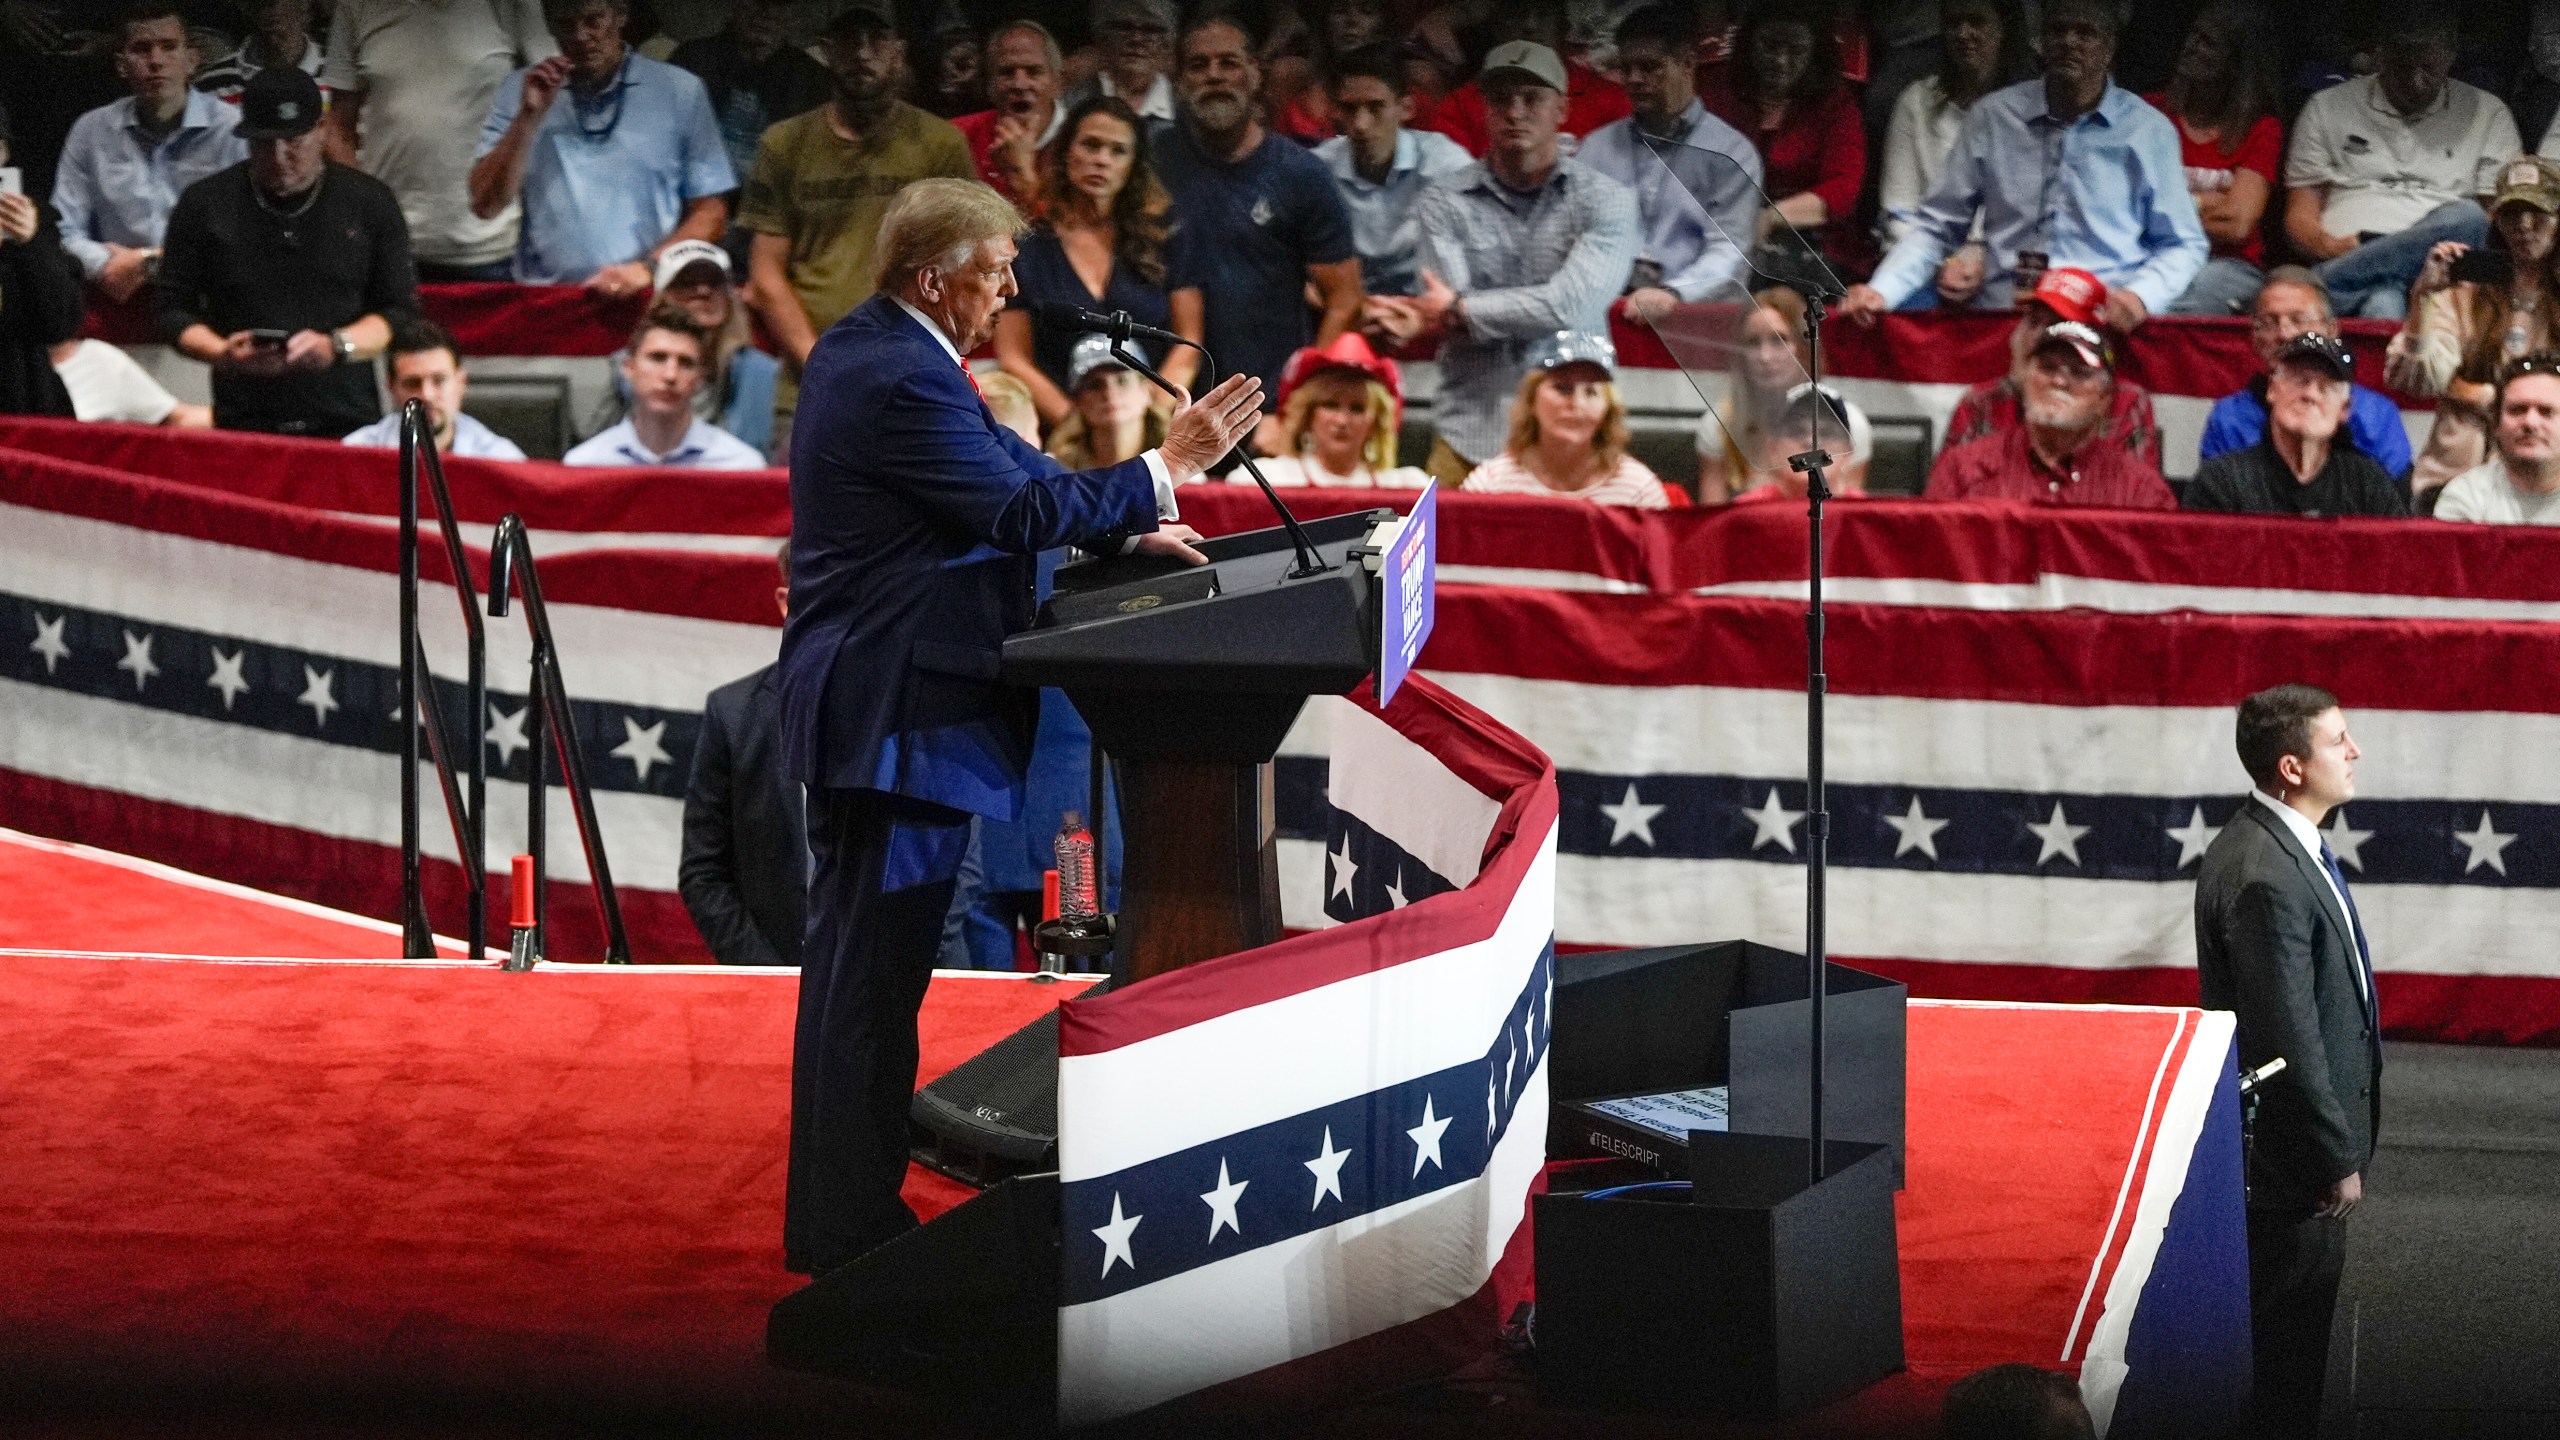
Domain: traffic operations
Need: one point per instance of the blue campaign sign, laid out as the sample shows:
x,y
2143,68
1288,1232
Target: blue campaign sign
x,y
1407,585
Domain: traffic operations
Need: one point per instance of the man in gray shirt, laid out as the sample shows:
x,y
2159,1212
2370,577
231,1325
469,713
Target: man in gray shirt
x,y
1517,246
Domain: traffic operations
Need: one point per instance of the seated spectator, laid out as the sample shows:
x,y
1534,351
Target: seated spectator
x,y
632,164
1589,98
1695,179
1024,75
1099,244
124,165
1569,431
1992,406
426,366
2301,465
663,365
408,84
738,379
1340,408
1114,418
2066,170
744,873
1783,92
279,34
2015,1402
2289,305
1811,419
286,273
1009,400
820,185
1770,356
1381,166
1261,220
2222,97
1983,46
2386,166
2464,333
40,306
107,386
755,77
2519,484
1516,247
1136,41
2059,452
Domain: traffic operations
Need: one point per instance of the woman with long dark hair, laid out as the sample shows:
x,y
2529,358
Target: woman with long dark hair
x,y
1099,245
2223,97
1783,90
1982,46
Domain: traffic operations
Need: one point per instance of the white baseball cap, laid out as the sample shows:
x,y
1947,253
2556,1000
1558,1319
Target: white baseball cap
x,y
682,255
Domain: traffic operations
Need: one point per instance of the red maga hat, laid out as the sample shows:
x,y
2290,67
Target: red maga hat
x,y
1349,351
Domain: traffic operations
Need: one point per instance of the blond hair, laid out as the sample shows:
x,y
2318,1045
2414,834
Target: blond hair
x,y
1009,400
1379,450
940,221
1608,443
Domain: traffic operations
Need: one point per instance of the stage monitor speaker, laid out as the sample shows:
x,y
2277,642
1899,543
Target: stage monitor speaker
x,y
996,1113
964,1307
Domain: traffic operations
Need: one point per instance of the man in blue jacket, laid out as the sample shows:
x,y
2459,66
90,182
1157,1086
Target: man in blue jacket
x,y
916,522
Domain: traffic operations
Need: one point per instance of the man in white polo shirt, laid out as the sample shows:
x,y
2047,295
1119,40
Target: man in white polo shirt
x,y
2386,166
664,368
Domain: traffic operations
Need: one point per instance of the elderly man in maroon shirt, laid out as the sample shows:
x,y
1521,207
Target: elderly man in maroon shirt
x,y
2060,450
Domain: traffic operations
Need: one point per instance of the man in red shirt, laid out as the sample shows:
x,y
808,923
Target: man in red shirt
x,y
2065,294
1591,99
1023,79
2060,451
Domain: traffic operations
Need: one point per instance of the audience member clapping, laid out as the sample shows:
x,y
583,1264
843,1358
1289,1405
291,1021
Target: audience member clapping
x,y
1516,247
426,366
663,366
1135,38
2222,97
1114,418
1783,90
1339,411
1992,406
1813,418
2386,166
2066,170
279,34
1588,99
2303,465
2059,452
1982,47
124,165
1381,166
409,85
755,76
2289,305
1770,357
40,310
1569,431
2476,312
1695,178
1025,74
737,379
2519,484
1104,217
286,273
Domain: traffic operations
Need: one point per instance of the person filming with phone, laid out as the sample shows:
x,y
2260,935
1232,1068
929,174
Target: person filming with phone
x,y
2476,310
285,273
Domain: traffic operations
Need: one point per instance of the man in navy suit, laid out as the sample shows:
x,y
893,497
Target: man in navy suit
x,y
2279,944
916,523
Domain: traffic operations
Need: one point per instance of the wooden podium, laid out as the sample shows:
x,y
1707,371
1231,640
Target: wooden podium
x,y
1189,677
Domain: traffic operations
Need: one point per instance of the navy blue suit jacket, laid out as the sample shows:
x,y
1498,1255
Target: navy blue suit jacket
x,y
916,522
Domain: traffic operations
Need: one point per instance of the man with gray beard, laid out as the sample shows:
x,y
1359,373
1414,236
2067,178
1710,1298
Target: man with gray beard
x,y
2059,452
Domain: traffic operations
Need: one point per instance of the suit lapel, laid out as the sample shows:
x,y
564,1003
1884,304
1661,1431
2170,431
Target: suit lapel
x,y
2339,923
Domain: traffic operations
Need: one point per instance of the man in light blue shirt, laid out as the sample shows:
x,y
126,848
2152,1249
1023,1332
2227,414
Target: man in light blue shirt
x,y
123,164
1696,178
1381,166
426,366
2067,170
631,164
663,367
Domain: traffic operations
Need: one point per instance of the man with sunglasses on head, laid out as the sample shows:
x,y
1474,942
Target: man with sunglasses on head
x,y
2520,483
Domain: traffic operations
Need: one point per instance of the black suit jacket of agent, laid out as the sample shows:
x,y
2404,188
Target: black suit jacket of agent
x,y
745,871
2274,947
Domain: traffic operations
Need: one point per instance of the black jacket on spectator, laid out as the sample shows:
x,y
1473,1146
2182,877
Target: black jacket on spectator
x,y
234,264
40,307
744,875
2256,481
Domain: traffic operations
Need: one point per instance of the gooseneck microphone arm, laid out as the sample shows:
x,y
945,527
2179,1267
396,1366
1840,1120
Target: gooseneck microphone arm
x,y
1120,329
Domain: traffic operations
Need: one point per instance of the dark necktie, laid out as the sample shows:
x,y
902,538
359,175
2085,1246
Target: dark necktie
x,y
2364,954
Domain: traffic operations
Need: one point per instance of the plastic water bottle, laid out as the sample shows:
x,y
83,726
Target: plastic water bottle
x,y
1078,899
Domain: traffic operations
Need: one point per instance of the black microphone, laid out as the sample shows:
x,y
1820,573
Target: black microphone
x,y
1117,324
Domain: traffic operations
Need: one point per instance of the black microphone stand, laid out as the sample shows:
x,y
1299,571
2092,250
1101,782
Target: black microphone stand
x,y
1813,465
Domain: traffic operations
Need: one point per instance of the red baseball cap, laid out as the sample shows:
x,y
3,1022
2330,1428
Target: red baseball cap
x,y
2073,295
1349,351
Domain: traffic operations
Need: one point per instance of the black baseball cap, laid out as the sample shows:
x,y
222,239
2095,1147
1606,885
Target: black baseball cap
x,y
2326,353
279,103
862,17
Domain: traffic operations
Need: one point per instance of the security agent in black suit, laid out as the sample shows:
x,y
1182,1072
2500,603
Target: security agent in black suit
x,y
745,871
2279,944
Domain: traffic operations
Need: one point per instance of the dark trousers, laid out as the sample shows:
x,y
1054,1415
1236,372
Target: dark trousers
x,y
881,881
2295,1259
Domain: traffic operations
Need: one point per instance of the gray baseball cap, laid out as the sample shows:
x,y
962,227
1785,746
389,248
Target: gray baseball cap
x,y
1525,58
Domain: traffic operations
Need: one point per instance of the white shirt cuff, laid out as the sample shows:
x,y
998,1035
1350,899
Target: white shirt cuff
x,y
1166,507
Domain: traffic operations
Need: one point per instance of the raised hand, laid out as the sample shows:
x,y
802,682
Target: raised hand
x,y
1204,430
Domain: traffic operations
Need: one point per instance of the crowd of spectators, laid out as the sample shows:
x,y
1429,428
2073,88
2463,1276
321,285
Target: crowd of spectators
x,y
1310,188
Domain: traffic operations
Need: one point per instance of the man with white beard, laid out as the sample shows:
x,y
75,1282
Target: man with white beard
x,y
2060,451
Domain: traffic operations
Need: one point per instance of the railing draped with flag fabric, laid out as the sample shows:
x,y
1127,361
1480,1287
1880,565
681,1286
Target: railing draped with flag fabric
x,y
469,811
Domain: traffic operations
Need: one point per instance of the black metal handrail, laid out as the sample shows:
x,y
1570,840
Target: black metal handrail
x,y
468,811
511,568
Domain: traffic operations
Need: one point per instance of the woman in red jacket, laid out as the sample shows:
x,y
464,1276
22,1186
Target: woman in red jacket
x,y
1783,88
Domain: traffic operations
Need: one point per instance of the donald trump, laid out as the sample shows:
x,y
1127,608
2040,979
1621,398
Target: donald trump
x,y
916,522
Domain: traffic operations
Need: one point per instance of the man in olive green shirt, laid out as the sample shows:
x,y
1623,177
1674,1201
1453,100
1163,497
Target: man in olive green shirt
x,y
820,184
